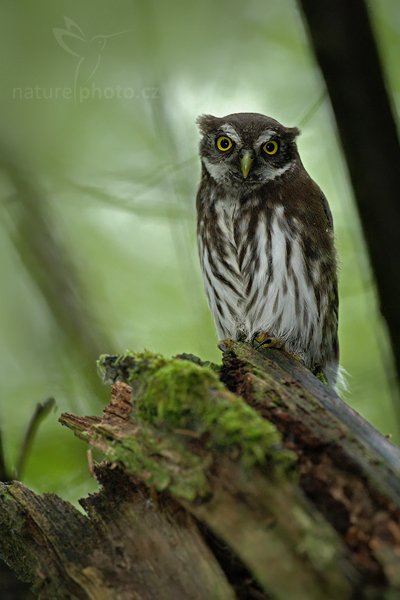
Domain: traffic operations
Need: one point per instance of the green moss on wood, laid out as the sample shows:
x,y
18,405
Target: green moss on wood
x,y
161,461
175,394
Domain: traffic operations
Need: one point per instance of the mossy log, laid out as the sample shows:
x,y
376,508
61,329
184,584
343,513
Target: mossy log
x,y
248,480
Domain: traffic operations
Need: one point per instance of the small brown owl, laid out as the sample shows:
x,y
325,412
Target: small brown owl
x,y
266,241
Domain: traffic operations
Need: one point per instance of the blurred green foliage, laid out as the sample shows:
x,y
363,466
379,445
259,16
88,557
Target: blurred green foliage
x,y
99,170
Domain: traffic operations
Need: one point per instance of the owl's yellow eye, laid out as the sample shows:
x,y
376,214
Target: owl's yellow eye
x,y
271,147
224,143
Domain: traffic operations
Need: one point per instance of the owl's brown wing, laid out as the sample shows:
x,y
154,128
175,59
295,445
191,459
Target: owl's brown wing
x,y
327,210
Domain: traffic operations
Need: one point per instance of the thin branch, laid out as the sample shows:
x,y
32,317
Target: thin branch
x,y
3,469
41,411
310,112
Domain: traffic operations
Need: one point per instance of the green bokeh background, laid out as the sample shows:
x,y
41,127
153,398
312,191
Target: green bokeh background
x,y
111,165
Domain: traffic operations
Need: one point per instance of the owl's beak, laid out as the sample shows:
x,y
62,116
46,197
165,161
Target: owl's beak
x,y
246,161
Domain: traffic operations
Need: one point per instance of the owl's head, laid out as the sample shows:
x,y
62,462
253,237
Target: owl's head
x,y
246,150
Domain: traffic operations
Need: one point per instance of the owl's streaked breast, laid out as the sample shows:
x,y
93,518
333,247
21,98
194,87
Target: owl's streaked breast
x,y
281,297
255,275
219,252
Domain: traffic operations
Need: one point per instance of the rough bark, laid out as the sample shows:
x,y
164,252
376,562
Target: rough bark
x,y
252,480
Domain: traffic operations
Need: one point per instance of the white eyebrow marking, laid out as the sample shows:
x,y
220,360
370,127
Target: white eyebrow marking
x,y
231,132
265,137
274,173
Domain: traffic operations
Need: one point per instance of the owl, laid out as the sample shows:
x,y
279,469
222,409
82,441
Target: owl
x,y
266,242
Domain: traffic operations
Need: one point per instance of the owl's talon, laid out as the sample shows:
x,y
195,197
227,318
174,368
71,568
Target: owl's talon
x,y
225,345
319,374
263,339
270,342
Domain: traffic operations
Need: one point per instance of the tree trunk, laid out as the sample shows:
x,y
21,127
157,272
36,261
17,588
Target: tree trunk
x,y
345,48
251,480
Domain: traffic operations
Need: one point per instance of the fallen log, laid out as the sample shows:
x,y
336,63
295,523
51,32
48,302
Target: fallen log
x,y
248,480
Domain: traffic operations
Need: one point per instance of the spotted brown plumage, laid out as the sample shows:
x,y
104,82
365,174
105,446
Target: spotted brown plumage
x,y
265,237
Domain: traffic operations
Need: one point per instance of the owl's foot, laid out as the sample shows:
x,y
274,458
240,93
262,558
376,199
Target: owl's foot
x,y
318,372
263,339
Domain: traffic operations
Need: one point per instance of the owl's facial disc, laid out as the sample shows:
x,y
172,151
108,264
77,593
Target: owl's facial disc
x,y
245,151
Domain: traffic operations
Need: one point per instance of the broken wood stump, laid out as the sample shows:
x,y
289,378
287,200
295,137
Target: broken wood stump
x,y
247,480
